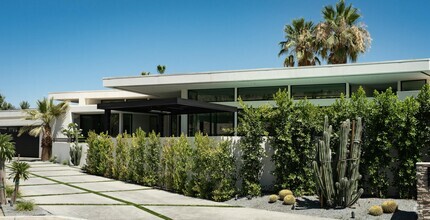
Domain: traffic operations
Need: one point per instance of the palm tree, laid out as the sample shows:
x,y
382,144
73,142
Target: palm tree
x,y
300,44
161,69
7,151
24,105
5,105
340,36
46,112
19,170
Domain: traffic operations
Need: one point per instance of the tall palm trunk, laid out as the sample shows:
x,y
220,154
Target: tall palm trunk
x,y
3,183
15,192
46,144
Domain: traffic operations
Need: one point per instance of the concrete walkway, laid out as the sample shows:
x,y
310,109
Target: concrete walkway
x,y
66,191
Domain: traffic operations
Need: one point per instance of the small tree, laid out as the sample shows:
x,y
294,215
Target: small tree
x,y
19,171
7,151
161,69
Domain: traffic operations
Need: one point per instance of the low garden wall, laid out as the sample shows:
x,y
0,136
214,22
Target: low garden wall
x,y
423,190
60,150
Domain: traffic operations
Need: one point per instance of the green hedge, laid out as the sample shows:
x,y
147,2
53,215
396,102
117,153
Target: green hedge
x,y
396,135
205,171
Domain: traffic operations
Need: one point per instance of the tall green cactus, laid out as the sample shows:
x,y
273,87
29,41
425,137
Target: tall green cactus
x,y
75,154
339,188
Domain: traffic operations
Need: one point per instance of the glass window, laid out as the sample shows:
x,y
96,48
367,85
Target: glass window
x,y
212,124
413,85
258,93
212,95
326,91
95,123
127,125
370,88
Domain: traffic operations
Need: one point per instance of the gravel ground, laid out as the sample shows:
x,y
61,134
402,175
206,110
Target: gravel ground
x,y
10,211
309,205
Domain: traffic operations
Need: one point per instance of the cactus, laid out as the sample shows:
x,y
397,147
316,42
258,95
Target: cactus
x,y
339,188
289,200
375,210
284,193
389,206
273,198
75,154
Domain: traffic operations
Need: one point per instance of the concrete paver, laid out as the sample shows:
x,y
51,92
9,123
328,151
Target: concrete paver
x,y
73,199
89,205
48,190
100,212
35,181
155,196
59,173
215,213
55,168
110,186
80,178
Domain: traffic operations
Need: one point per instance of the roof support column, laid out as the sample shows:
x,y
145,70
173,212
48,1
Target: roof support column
x,y
106,120
184,118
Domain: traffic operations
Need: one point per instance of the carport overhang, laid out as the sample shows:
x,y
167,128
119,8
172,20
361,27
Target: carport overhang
x,y
170,106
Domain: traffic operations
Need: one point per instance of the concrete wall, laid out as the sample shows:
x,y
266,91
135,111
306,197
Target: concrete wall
x,y
60,150
423,190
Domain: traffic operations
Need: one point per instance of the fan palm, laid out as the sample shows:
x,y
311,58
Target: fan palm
x,y
340,36
7,151
47,113
300,44
24,105
19,170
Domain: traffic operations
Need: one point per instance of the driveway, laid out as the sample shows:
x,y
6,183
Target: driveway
x,y
67,191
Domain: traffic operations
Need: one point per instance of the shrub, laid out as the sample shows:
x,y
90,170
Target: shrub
x,y
122,157
284,193
389,206
175,164
137,151
212,169
273,198
152,159
24,205
375,210
99,156
289,200
292,128
253,129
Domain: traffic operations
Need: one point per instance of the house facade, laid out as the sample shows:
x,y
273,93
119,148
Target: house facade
x,y
172,104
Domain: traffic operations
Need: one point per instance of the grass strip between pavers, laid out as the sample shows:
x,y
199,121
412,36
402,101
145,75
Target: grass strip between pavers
x,y
42,184
110,197
185,205
56,194
38,175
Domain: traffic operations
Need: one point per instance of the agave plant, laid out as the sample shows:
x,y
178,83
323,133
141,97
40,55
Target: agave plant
x,y
19,171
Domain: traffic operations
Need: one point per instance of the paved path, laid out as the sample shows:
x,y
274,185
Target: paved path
x,y
66,191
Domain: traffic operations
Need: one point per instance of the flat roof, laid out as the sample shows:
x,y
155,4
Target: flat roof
x,y
376,72
174,106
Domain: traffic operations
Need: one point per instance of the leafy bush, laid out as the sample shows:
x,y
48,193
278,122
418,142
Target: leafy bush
x,y
152,159
253,129
212,169
175,164
9,191
99,156
122,157
294,127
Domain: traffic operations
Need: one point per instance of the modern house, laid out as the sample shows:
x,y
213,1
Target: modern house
x,y
186,103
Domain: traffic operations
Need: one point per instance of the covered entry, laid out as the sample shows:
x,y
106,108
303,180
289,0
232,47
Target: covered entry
x,y
166,110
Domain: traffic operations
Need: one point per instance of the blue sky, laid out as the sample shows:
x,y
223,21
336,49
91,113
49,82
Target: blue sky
x,y
57,45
